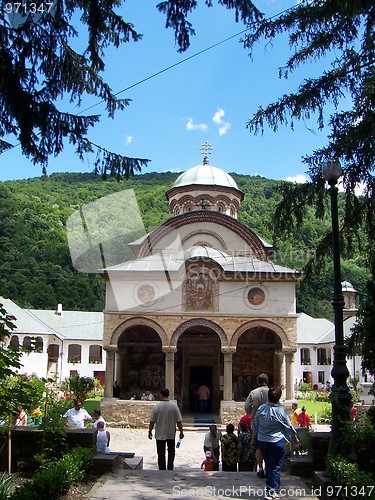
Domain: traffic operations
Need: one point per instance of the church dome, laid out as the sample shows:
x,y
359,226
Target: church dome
x,y
205,175
205,188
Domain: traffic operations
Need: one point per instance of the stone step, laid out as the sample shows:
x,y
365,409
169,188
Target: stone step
x,y
302,466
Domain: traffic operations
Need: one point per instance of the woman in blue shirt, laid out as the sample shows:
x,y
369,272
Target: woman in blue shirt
x,y
271,427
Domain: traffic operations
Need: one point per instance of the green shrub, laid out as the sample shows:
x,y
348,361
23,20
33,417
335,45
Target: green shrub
x,y
55,478
326,414
7,486
345,474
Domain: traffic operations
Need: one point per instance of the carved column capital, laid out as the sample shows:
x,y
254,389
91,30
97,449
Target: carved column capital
x,y
169,349
228,349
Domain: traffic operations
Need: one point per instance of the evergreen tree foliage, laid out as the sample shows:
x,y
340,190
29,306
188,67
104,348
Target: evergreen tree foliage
x,y
363,338
41,70
340,34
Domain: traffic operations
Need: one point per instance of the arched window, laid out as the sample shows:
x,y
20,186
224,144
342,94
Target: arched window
x,y
305,356
38,344
74,353
188,207
27,344
14,342
321,354
95,354
221,207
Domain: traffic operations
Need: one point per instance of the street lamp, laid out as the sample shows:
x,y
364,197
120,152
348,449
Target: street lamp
x,y
340,395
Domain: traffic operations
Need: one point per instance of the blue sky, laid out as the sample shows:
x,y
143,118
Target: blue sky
x,y
209,97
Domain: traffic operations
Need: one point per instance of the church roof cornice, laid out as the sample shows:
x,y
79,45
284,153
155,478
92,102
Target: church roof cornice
x,y
260,249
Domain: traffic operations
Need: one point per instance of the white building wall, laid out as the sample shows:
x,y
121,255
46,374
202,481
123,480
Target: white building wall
x,y
84,369
279,299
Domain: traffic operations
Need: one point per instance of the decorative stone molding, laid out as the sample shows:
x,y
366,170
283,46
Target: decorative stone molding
x,y
169,349
202,232
289,350
191,323
203,217
259,323
110,348
137,321
228,349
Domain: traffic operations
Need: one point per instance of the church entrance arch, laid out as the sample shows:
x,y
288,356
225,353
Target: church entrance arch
x,y
255,354
141,361
198,360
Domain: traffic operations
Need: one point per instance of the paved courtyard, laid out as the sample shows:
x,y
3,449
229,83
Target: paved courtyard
x,y
187,481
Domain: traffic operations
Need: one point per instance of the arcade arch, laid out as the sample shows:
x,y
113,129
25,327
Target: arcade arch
x,y
140,363
256,350
198,360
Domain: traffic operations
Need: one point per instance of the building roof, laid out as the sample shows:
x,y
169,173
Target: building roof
x,y
73,325
205,175
347,287
313,330
172,263
24,321
70,325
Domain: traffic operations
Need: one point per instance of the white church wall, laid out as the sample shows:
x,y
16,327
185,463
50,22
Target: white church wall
x,y
279,300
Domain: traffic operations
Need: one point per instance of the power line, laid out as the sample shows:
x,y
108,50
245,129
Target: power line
x,y
168,68
190,57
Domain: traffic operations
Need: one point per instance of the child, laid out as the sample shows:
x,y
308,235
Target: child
x,y
102,439
208,464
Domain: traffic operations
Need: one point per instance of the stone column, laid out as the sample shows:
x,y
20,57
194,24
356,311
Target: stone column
x,y
228,389
109,371
118,367
169,369
289,373
280,366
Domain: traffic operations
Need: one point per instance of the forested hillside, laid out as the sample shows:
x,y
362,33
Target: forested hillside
x,y
35,265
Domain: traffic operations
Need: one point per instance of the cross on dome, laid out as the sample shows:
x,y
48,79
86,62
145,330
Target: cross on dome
x,y
206,149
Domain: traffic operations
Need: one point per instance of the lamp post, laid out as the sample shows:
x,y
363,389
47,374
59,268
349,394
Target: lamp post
x,y
340,395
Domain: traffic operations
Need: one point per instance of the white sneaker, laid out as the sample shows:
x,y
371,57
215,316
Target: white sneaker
x,y
271,495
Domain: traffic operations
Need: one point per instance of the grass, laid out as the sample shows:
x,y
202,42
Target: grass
x,y
91,404
313,407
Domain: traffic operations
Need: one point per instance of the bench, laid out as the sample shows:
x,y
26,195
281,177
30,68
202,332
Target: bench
x,y
109,462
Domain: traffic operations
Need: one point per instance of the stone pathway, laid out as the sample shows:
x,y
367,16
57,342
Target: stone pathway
x,y
187,481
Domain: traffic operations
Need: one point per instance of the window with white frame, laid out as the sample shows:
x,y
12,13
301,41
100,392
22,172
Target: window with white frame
x,y
321,356
305,356
74,353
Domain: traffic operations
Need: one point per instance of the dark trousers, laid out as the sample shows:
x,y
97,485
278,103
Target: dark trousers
x,y
160,448
273,455
203,405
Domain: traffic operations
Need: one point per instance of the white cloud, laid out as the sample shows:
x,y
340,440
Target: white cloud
x,y
128,140
218,119
298,179
196,126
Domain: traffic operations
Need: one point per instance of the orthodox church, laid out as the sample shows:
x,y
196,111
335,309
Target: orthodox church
x,y
200,302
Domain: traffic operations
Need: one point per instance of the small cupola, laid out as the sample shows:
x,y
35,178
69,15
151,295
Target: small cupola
x,y
349,294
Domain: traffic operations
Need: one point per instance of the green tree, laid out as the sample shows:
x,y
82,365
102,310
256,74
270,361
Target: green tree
x,y
40,69
363,339
341,35
78,387
9,355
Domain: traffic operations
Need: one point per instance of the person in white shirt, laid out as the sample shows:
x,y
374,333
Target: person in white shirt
x,y
97,417
165,415
212,443
102,439
75,417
